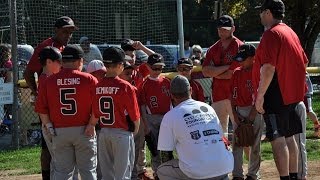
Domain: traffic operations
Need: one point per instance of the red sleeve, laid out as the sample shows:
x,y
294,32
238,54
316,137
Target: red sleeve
x,y
270,45
132,104
143,69
200,94
41,105
34,63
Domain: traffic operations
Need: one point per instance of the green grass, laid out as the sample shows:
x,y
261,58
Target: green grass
x,y
27,160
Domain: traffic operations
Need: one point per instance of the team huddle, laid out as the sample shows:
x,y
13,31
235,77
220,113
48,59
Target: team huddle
x,y
97,114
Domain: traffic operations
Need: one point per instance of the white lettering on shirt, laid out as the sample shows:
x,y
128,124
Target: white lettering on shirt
x,y
68,81
107,90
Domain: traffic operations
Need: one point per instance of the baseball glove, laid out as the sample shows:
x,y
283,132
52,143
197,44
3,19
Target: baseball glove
x,y
244,134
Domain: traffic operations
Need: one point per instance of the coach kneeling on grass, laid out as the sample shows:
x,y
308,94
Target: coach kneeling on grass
x,y
193,129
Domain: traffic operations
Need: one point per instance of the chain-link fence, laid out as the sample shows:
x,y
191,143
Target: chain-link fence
x,y
106,23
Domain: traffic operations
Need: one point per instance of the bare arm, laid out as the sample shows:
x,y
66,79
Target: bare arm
x,y
138,45
44,118
266,75
213,71
31,81
90,128
136,126
226,75
9,76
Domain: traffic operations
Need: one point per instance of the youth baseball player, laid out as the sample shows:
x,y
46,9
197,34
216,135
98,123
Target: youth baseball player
x,y
184,68
155,100
243,110
65,106
114,99
50,59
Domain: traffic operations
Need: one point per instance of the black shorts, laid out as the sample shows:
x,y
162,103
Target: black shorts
x,y
285,124
281,120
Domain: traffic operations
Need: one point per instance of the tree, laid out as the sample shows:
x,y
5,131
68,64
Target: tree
x,y
301,15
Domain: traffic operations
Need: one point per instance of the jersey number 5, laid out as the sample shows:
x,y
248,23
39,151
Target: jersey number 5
x,y
69,105
107,109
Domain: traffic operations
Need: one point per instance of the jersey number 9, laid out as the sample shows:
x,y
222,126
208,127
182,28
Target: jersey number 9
x,y
107,109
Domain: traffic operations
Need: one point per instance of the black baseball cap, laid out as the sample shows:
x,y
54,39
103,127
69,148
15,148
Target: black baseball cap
x,y
126,45
275,6
50,52
185,61
225,22
72,52
245,51
113,55
64,22
155,59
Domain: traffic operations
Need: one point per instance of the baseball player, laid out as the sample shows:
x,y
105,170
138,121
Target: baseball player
x,y
155,100
65,106
184,68
97,69
140,72
64,27
50,59
114,99
242,93
219,65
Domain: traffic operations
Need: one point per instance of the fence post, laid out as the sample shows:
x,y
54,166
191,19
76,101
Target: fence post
x,y
14,40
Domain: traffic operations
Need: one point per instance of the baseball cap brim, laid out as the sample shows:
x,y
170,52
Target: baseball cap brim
x,y
239,58
158,64
186,64
226,28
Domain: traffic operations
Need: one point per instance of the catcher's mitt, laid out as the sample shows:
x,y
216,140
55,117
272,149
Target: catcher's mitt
x,y
244,134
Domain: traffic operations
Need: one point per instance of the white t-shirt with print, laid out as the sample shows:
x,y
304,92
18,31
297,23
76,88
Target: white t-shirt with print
x,y
193,129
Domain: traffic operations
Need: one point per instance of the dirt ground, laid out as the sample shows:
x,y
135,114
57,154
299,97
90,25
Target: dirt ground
x,y
268,171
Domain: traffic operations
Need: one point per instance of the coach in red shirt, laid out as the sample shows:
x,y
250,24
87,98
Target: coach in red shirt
x,y
218,64
64,27
279,74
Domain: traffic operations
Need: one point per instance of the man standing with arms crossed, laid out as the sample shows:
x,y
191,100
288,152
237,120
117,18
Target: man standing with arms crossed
x,y
219,65
64,105
279,74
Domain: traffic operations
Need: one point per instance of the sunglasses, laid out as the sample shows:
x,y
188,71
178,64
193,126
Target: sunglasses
x,y
197,51
157,69
181,69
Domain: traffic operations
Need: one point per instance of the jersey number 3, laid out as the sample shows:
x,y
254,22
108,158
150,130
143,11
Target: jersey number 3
x,y
69,105
107,109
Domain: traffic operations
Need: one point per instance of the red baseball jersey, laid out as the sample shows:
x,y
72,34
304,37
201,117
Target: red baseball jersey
x,y
197,91
34,63
154,93
114,98
280,47
67,98
241,87
218,56
41,81
139,74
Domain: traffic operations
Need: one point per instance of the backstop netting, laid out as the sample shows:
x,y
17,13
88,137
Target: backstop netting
x,y
105,22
